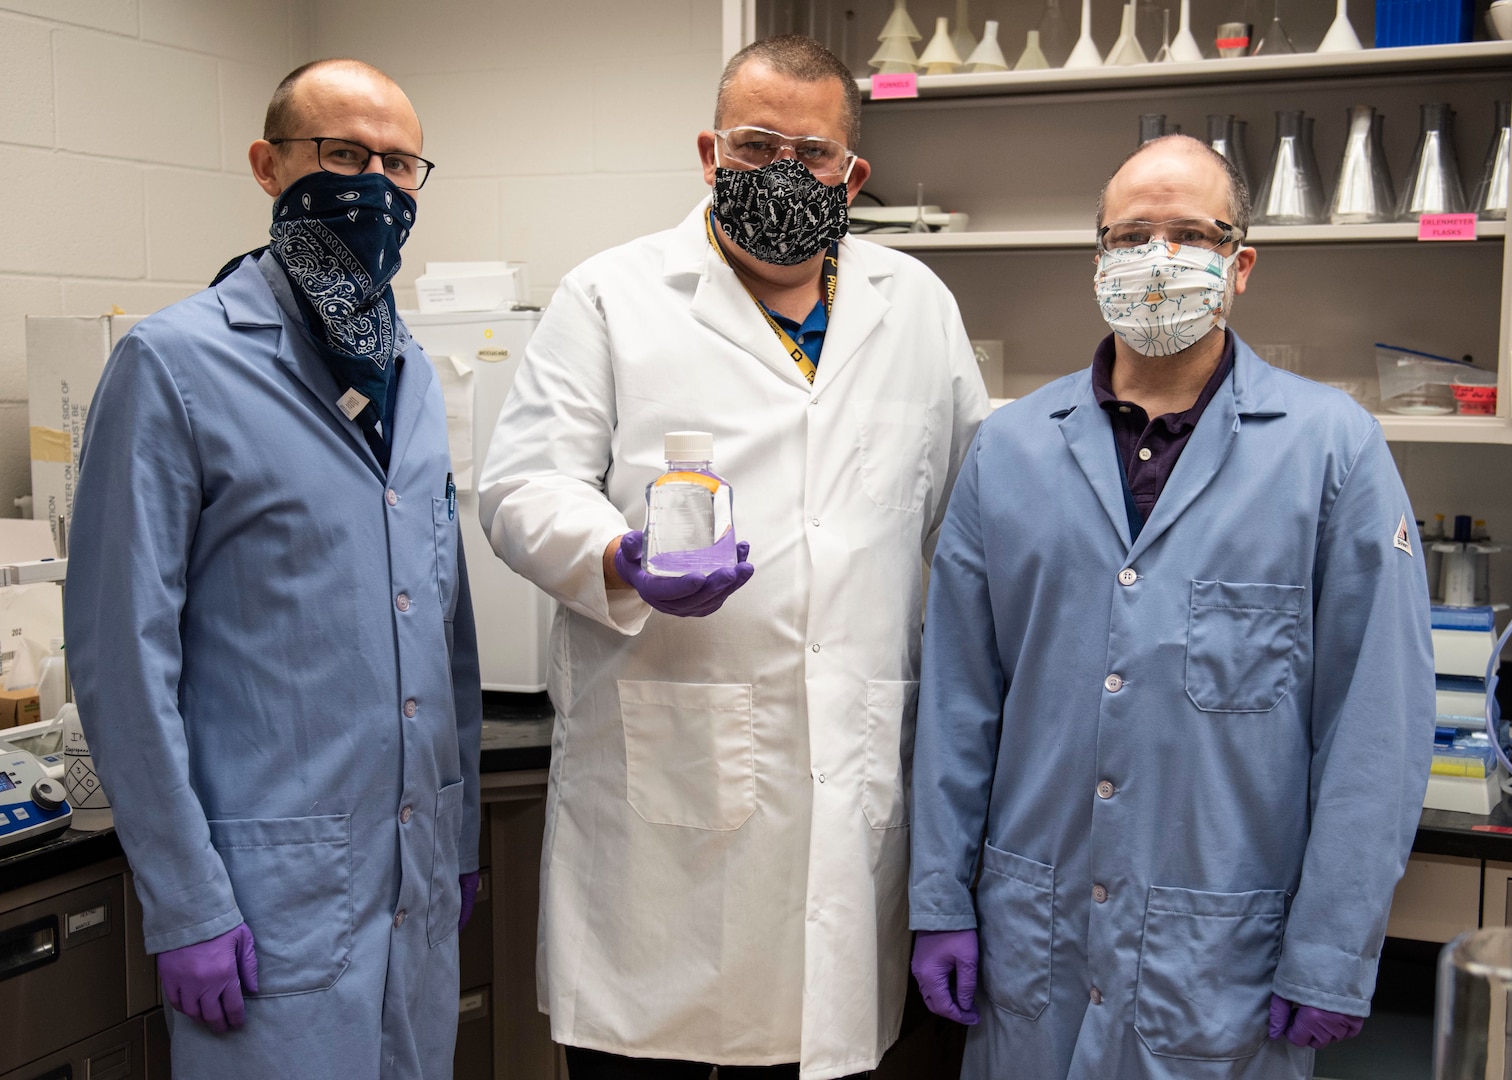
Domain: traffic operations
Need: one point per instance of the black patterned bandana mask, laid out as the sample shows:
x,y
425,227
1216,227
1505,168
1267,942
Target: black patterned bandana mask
x,y
338,239
780,213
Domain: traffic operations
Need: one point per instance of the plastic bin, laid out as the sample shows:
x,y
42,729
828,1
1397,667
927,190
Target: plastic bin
x,y
1416,383
1423,22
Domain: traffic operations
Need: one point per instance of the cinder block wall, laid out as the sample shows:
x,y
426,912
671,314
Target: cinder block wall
x,y
558,129
124,126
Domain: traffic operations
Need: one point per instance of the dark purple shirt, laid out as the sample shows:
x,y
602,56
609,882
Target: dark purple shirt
x,y
1149,448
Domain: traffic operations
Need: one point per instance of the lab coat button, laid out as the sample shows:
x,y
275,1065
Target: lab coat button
x,y
402,602
410,708
1127,576
399,918
1100,894
392,496
1096,996
816,523
1144,453
404,815
816,646
1113,684
821,778
1105,789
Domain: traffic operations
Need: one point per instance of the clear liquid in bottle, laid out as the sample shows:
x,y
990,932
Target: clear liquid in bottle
x,y
690,525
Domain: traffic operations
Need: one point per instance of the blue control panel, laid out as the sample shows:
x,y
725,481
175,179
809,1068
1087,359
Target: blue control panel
x,y
32,803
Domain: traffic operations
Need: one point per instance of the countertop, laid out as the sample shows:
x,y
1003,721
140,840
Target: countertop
x,y
517,737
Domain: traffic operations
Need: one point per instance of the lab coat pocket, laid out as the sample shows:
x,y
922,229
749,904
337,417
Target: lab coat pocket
x,y
894,440
890,710
1240,641
292,881
1015,931
446,555
1205,969
445,890
689,754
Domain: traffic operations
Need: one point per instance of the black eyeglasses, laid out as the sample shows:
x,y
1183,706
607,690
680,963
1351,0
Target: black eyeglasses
x,y
346,158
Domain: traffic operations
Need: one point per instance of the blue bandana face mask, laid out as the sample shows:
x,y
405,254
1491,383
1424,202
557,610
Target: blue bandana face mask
x,y
338,239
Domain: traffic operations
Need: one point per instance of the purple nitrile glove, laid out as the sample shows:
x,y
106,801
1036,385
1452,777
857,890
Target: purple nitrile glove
x,y
1309,1026
941,957
469,883
204,981
692,595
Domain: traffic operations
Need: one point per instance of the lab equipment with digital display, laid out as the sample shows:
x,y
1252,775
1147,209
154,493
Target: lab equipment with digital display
x,y
32,803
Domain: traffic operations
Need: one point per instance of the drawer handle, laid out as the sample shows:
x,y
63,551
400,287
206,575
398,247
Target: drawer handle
x,y
28,946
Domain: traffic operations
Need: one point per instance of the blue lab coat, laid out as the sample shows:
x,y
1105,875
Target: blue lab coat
x,y
273,652
1198,782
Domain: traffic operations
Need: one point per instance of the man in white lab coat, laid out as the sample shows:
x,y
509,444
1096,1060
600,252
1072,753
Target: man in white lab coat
x,y
270,630
727,834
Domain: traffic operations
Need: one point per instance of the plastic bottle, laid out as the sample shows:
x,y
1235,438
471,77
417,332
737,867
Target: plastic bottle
x,y
52,681
690,524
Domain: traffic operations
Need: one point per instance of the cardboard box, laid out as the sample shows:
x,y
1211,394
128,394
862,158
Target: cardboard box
x,y
64,359
19,707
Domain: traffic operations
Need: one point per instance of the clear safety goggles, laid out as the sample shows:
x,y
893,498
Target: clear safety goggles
x,y
754,147
1209,234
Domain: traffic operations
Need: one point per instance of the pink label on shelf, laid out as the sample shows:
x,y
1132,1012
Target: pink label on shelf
x,y
895,86
1446,227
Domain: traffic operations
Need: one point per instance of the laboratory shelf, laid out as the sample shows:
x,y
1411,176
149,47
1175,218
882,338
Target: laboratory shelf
x,y
990,240
1407,60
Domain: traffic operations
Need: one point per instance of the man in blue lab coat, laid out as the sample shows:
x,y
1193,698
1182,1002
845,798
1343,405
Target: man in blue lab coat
x,y
1179,717
269,625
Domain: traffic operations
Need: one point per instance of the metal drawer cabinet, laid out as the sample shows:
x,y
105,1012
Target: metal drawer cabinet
x,y
117,1054
62,972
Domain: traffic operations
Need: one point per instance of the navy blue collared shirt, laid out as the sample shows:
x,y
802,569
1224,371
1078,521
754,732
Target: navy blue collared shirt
x,y
1149,449
809,334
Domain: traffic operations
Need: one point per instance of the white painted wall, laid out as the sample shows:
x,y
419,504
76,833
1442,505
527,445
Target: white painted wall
x,y
558,129
124,126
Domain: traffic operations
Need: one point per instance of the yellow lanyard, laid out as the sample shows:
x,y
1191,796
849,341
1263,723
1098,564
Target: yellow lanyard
x,y
831,279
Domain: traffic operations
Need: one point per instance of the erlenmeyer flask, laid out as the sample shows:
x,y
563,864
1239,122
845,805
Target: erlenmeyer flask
x,y
1433,181
1472,1004
1286,196
1240,155
1221,138
1055,35
1151,126
1362,192
1274,41
1310,160
1490,202
1147,24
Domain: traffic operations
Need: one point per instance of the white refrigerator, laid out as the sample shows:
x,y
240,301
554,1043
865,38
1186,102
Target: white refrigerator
x,y
476,355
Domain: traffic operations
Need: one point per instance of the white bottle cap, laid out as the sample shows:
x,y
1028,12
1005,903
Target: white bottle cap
x,y
688,446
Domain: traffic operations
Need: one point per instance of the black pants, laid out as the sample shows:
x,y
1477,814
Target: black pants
x,y
597,1065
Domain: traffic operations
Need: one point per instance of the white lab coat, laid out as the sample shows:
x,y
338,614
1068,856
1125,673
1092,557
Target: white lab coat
x,y
726,842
